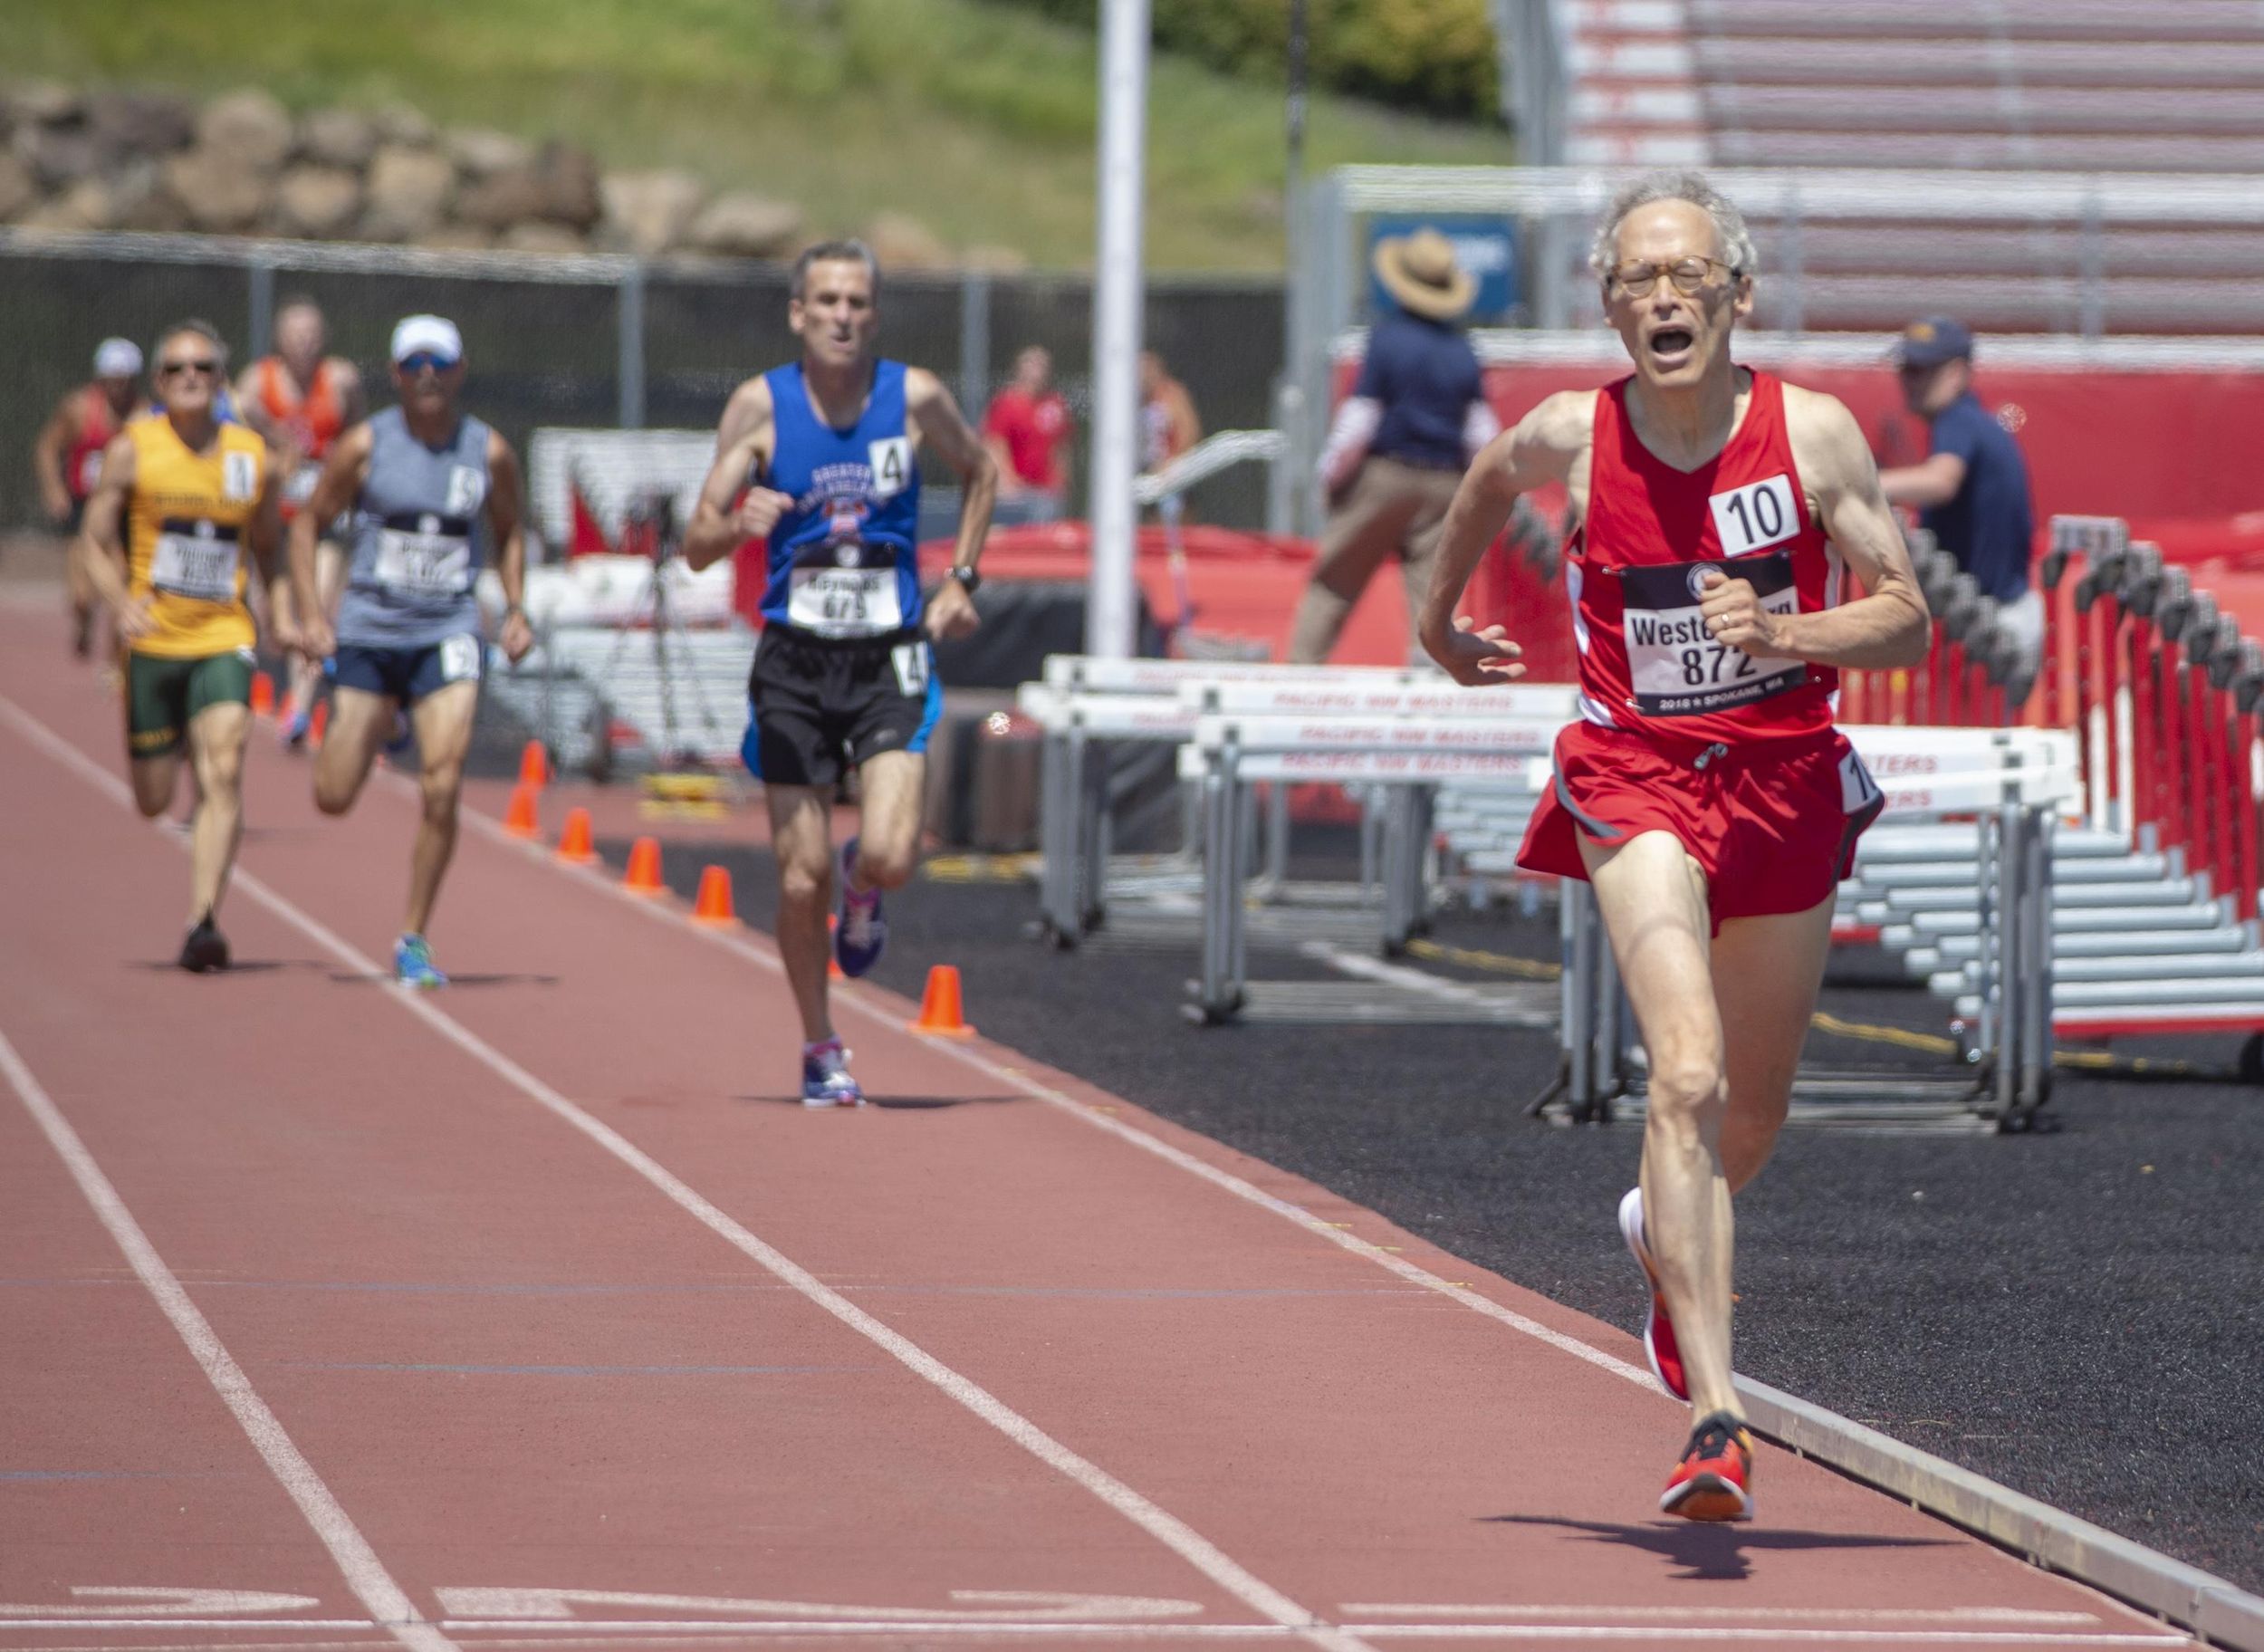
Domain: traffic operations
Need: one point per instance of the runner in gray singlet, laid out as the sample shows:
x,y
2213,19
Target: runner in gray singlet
x,y
430,487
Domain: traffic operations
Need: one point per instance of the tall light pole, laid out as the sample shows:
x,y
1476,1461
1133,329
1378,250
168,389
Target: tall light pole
x,y
1118,289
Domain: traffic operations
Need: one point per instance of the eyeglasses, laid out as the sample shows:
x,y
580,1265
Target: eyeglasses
x,y
206,365
1636,278
421,361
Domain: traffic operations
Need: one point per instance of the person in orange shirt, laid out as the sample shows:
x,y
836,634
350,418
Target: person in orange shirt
x,y
182,500
300,400
68,456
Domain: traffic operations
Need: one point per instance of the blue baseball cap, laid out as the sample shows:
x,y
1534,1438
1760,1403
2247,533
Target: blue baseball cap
x,y
1931,341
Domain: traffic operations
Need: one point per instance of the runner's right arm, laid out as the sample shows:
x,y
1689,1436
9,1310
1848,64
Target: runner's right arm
x,y
56,438
724,519
101,547
1540,449
335,493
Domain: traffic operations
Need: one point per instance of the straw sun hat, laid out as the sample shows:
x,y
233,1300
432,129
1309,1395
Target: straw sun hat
x,y
1419,271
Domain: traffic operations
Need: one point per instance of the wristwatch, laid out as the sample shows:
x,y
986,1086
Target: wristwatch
x,y
969,580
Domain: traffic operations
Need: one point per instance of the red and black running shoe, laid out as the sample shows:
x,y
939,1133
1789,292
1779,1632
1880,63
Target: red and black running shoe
x,y
1714,1480
1658,1331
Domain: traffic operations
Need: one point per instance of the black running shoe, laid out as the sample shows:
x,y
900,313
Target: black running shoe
x,y
206,949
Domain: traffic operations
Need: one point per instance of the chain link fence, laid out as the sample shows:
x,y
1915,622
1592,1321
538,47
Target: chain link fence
x,y
599,342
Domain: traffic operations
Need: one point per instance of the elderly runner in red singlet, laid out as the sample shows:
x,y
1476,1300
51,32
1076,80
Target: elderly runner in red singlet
x,y
67,460
1704,793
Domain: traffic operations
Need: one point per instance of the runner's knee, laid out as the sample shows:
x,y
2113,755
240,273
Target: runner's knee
x,y
802,883
440,785
886,865
1686,1094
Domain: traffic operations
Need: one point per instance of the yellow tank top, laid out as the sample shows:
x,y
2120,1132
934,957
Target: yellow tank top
x,y
188,536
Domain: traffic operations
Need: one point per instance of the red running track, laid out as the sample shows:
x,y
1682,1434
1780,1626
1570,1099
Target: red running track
x,y
537,1314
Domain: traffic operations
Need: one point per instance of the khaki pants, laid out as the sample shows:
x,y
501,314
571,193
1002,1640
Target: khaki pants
x,y
1391,507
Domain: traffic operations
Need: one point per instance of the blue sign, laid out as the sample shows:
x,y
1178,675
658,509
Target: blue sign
x,y
1486,247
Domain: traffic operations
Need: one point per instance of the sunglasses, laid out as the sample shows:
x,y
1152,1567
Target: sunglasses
x,y
422,361
207,366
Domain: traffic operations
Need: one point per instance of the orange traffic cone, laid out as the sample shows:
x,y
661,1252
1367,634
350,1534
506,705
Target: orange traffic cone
x,y
535,765
573,844
832,959
713,905
644,867
939,1005
319,723
519,820
263,694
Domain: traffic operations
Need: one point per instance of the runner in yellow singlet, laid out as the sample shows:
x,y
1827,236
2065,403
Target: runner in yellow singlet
x,y
182,498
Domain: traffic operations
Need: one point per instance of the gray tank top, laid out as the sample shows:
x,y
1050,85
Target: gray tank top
x,y
419,538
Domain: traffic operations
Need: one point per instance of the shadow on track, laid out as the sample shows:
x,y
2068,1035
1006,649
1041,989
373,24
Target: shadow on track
x,y
909,1104
1711,1554
352,978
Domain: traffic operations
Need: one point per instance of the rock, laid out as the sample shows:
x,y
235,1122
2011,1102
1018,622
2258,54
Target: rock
x,y
217,191
17,191
647,213
139,125
742,225
541,237
86,205
143,202
250,129
570,184
516,194
903,242
45,104
481,154
403,124
318,203
455,239
57,156
339,138
996,260
408,193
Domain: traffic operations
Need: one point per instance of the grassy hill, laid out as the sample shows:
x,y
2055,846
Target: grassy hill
x,y
975,117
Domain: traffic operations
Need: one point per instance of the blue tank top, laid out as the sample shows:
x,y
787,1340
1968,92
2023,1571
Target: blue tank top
x,y
843,561
419,538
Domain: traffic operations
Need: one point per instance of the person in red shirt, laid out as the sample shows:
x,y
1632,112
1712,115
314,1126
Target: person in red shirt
x,y
1703,792
1026,428
67,459
300,400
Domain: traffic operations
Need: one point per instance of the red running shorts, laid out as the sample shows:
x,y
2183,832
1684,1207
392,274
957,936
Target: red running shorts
x,y
1773,823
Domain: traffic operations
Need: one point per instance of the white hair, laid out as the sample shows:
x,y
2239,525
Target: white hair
x,y
1729,223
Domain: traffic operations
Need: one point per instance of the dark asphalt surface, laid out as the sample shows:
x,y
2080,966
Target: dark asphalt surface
x,y
2078,1314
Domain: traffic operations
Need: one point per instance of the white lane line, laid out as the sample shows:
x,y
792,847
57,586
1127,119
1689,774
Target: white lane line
x,y
747,947
1167,1529
373,1586
2005,1616
1650,1634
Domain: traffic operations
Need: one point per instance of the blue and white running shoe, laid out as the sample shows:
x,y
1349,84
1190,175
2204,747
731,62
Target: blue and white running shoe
x,y
825,1077
863,931
412,965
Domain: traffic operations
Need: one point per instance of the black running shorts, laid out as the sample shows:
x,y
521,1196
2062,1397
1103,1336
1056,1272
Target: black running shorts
x,y
820,707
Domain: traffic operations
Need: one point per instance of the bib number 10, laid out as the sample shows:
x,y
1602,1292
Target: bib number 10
x,y
1758,514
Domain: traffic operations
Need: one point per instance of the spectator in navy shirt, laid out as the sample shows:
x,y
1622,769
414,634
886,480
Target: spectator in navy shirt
x,y
1973,490
1400,442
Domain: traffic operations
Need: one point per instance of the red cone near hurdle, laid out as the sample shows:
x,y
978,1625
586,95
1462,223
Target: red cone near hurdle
x,y
535,765
643,876
574,846
939,1005
519,818
713,905
263,694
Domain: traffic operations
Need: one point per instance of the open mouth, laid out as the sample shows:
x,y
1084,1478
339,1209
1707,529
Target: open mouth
x,y
1671,341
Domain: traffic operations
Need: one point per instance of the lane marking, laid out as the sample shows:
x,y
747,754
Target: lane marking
x,y
389,1605
2008,1616
152,1602
1649,1633
1166,1528
982,1605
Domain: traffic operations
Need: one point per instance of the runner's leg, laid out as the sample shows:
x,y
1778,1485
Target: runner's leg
x,y
894,789
1766,974
215,746
801,837
1652,898
442,720
156,779
360,723
1359,536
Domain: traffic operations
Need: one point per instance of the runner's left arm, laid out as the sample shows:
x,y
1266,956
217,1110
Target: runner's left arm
x,y
101,547
947,434
266,535
1887,627
505,521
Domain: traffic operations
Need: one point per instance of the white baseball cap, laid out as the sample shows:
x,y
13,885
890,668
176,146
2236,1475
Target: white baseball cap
x,y
117,359
427,334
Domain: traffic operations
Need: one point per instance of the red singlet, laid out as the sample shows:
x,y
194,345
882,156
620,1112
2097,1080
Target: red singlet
x,y
1736,757
97,426
310,423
